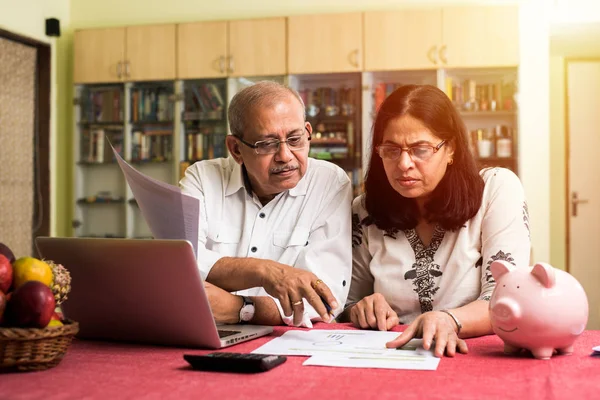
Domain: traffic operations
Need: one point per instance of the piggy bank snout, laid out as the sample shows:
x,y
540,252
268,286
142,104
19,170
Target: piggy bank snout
x,y
506,310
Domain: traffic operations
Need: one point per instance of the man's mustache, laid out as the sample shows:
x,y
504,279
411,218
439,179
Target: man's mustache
x,y
284,168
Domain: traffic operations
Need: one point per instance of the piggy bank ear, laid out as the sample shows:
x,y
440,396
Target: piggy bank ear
x,y
545,274
500,268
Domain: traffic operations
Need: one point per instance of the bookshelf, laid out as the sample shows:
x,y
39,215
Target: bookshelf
x,y
333,108
99,185
138,119
204,121
487,101
150,142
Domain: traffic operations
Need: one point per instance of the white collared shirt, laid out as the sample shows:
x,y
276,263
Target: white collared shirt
x,y
307,227
454,269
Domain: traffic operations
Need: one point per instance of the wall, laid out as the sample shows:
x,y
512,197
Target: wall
x,y
558,252
27,18
91,13
533,75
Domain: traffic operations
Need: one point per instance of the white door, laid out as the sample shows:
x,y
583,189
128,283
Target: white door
x,y
583,187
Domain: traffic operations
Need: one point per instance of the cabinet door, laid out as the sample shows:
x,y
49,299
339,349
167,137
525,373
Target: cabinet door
x,y
99,55
407,39
202,50
325,43
150,53
257,47
480,36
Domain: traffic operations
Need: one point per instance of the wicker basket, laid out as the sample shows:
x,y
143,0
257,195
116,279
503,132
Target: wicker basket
x,y
31,349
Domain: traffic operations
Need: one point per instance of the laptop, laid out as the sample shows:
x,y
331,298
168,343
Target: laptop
x,y
140,290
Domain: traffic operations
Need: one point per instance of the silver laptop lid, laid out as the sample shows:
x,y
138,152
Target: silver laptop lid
x,y
138,290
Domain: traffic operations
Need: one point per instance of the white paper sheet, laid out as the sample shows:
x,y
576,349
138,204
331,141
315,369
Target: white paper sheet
x,y
169,213
596,349
350,348
413,361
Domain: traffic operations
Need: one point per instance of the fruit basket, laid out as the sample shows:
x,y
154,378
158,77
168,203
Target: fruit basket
x,y
31,349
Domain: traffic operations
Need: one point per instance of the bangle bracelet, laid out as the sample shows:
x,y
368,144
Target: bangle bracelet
x,y
458,324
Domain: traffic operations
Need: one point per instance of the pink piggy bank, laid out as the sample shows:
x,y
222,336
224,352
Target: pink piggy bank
x,y
539,308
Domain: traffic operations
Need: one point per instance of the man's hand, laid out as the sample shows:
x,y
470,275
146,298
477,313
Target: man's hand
x,y
224,305
373,312
290,285
433,325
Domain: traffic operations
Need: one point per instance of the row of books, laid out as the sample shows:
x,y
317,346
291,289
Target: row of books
x,y
201,146
95,149
102,105
151,105
151,145
204,97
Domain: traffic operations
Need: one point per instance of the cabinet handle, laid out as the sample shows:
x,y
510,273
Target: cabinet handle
x,y
353,58
127,74
575,200
222,64
119,69
431,54
231,67
443,55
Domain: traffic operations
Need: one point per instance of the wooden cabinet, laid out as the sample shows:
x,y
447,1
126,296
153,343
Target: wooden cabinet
x,y
150,53
480,36
402,40
124,54
253,47
99,55
202,50
257,47
430,38
325,43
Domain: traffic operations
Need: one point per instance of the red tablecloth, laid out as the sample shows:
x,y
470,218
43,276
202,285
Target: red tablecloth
x,y
100,370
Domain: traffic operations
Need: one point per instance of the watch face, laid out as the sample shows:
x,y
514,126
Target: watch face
x,y
247,312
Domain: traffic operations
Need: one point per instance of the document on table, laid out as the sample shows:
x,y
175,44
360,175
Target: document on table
x,y
169,213
350,348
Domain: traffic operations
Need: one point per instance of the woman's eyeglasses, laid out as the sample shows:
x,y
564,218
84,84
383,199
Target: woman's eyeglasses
x,y
419,152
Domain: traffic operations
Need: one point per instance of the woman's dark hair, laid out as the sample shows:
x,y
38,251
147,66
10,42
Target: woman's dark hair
x,y
457,197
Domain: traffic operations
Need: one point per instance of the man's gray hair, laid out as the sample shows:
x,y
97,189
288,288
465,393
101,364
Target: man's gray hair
x,y
261,94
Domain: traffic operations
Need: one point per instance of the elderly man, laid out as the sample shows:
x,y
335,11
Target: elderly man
x,y
275,229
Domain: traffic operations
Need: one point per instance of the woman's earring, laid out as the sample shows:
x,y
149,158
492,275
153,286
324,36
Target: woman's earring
x,y
451,162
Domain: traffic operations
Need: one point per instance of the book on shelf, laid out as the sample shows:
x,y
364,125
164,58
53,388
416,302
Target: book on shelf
x,y
151,145
204,97
93,149
102,105
151,104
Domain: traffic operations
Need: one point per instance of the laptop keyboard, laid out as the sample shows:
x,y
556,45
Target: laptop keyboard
x,y
224,333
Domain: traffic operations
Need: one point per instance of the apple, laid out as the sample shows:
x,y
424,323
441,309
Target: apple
x,y
30,306
7,252
6,274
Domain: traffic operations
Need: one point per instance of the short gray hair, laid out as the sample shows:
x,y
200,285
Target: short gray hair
x,y
261,94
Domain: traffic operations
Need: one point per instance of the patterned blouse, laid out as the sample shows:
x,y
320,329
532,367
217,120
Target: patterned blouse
x,y
454,269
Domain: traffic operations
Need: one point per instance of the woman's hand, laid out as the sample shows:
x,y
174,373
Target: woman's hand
x,y
433,325
373,312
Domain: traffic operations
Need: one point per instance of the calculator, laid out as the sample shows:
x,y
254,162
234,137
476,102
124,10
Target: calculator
x,y
234,362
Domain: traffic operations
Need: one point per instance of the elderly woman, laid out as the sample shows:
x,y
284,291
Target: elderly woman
x,y
429,225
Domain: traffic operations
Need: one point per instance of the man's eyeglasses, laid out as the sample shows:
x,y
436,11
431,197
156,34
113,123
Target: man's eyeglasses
x,y
271,146
419,152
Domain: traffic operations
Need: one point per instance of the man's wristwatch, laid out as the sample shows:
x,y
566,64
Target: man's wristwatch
x,y
247,310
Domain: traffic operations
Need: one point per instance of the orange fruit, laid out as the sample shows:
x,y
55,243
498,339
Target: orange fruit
x,y
31,269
